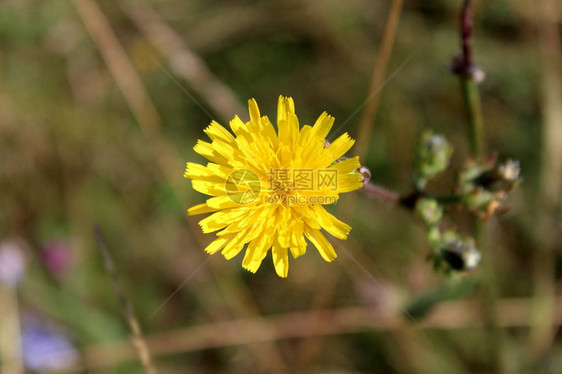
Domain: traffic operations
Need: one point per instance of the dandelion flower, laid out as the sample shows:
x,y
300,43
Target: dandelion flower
x,y
268,187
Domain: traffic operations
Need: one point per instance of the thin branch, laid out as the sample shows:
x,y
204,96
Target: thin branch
x,y
466,36
380,193
469,75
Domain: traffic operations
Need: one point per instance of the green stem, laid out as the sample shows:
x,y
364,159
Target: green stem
x,y
490,294
466,69
472,102
447,199
471,98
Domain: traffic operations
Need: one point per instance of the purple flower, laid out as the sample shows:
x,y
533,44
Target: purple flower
x,y
57,257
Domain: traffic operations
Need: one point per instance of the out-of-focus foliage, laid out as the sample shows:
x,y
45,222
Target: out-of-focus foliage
x,y
72,154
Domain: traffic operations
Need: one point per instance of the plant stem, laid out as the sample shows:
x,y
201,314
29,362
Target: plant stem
x,y
471,98
380,193
447,199
466,71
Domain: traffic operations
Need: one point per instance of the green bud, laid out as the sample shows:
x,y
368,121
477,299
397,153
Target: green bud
x,y
429,211
432,157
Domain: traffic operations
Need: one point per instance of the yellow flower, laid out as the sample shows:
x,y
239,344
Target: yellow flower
x,y
268,187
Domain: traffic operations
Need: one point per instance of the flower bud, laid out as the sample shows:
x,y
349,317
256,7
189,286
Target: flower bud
x,y
502,177
457,253
484,185
429,211
432,157
461,257
365,174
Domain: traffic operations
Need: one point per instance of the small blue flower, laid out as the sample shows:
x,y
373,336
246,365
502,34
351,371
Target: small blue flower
x,y
44,347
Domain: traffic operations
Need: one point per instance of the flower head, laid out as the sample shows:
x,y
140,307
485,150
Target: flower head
x,y
269,186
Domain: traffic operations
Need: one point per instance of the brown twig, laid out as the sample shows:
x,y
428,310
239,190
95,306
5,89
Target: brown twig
x,y
139,343
380,193
463,66
466,36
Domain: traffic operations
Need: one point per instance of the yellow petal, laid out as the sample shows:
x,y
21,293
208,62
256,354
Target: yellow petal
x,y
219,170
330,223
285,107
200,172
253,259
234,246
216,131
335,150
323,125
347,166
209,187
254,111
221,202
322,244
200,209
218,220
349,182
206,150
280,260
217,244
237,125
298,251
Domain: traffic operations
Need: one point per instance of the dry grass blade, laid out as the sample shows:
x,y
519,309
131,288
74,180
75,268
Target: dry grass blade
x,y
311,348
379,72
138,341
10,337
183,61
130,85
542,333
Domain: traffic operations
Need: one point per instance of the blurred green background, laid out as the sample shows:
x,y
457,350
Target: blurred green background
x,y
101,103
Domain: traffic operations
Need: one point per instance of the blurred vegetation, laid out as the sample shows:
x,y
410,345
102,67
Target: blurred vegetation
x,y
73,153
